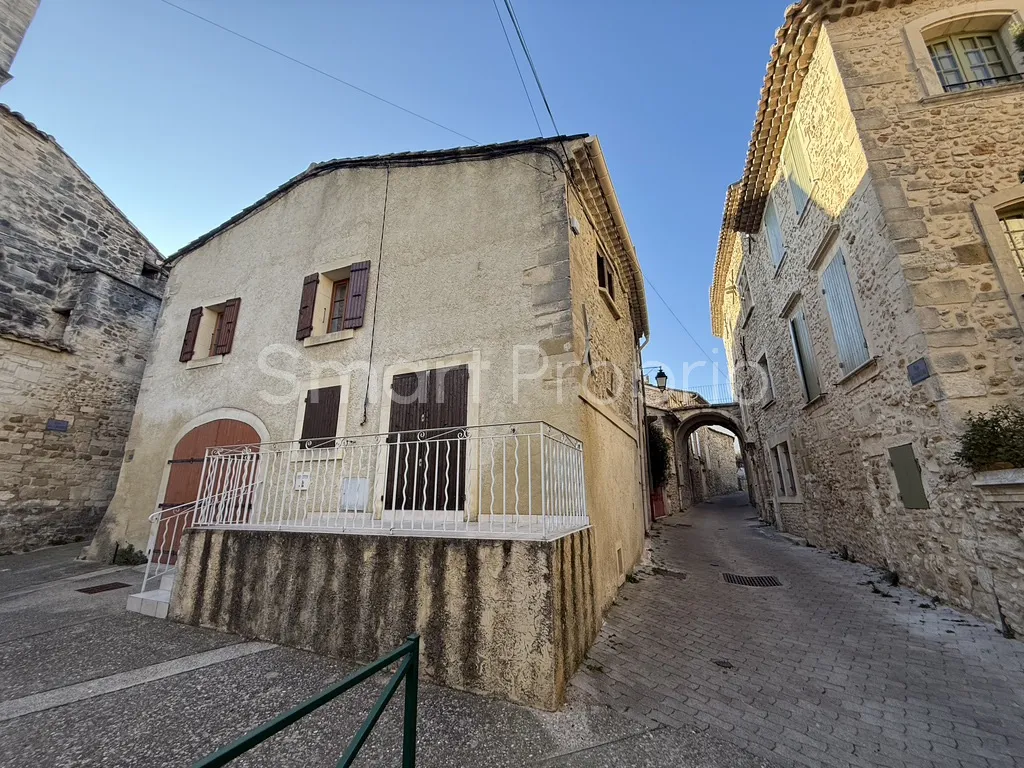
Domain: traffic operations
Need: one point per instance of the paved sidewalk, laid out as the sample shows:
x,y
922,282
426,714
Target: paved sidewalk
x,y
822,671
84,683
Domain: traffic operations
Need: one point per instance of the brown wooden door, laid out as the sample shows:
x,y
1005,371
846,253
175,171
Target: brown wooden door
x,y
427,460
186,476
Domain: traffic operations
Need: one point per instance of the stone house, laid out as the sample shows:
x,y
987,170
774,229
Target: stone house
x,y
703,460
80,290
868,286
428,365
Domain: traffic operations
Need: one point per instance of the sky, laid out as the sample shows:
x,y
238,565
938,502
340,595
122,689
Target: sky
x,y
183,124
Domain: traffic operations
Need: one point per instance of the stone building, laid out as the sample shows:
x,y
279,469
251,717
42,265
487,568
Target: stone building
x,y
80,290
869,285
428,366
703,461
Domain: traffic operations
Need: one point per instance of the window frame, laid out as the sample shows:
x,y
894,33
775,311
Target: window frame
x,y
764,366
787,488
607,279
846,368
961,57
987,213
801,364
988,16
333,316
304,388
776,250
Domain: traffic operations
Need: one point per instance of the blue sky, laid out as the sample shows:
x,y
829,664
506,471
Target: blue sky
x,y
183,125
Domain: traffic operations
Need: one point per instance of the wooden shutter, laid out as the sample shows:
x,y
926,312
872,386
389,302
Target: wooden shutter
x,y
226,335
805,356
774,232
188,346
358,282
309,286
320,419
842,311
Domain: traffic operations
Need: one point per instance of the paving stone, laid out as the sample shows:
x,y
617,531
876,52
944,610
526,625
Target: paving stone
x,y
824,672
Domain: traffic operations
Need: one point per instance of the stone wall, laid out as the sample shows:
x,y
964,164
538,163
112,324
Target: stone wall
x,y
80,296
719,462
512,619
15,16
897,173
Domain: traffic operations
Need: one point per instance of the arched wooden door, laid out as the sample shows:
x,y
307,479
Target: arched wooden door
x,y
186,475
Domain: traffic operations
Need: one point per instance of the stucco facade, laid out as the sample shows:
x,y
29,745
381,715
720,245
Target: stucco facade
x,y
80,290
484,257
907,184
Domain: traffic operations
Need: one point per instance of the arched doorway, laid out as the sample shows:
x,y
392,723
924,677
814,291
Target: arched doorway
x,y
721,419
185,478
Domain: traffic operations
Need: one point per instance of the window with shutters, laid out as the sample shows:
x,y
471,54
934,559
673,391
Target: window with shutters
x,y
607,282
332,304
785,477
851,344
806,363
210,332
773,232
764,383
798,168
321,415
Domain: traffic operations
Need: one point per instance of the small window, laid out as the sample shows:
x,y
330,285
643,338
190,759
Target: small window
x,y
1012,222
210,331
774,232
971,61
765,382
798,169
908,477
333,301
320,417
605,276
805,361
847,330
785,478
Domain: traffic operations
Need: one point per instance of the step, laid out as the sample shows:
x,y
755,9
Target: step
x,y
154,602
167,581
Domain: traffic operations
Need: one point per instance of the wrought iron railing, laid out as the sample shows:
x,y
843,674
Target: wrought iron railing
x,y
1013,77
408,657
496,481
707,395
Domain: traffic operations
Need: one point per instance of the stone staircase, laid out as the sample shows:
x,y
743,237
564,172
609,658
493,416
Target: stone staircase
x,y
154,602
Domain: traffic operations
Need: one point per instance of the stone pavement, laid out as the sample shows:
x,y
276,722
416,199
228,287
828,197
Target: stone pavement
x,y
84,683
824,670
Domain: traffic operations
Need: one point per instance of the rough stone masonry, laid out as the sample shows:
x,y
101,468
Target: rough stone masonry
x,y
80,289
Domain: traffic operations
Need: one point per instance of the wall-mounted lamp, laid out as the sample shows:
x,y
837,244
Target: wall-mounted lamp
x,y
661,379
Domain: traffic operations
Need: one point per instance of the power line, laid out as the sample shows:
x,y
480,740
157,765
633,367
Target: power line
x,y
674,315
529,59
540,131
319,71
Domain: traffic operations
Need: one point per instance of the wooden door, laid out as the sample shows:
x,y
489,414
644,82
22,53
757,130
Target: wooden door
x,y
427,458
186,476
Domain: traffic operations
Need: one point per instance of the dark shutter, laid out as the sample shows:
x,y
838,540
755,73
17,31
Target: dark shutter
x,y
226,335
320,419
309,286
908,476
358,282
188,346
602,280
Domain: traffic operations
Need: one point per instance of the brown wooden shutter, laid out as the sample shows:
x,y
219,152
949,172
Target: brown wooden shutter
x,y
188,346
320,419
226,335
309,286
358,282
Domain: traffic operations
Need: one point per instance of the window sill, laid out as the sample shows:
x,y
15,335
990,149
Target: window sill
x,y
767,405
812,403
789,499
972,93
610,302
204,362
746,316
855,378
807,206
328,338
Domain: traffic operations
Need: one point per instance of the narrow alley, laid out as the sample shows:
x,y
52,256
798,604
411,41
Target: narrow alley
x,y
835,667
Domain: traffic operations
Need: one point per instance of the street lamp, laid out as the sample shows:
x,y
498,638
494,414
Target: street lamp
x,y
661,379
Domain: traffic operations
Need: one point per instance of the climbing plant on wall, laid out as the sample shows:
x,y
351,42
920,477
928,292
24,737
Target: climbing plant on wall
x,y
993,440
657,455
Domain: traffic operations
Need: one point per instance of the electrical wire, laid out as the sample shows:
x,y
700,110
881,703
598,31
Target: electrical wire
x,y
529,59
540,131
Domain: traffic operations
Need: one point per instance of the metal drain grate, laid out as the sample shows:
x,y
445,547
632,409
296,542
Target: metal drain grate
x,y
103,587
752,581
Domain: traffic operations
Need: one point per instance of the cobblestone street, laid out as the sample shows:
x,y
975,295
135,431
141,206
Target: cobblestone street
x,y
823,670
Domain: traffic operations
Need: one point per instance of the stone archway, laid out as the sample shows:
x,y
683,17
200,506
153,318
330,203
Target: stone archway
x,y
727,417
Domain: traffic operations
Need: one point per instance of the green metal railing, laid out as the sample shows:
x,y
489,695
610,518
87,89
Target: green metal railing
x,y
408,669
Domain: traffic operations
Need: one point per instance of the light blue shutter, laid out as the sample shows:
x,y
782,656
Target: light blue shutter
x,y
774,231
842,311
805,356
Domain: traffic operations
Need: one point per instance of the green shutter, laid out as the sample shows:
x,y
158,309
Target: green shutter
x,y
908,477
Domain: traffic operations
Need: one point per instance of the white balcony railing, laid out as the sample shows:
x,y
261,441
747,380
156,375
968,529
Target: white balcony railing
x,y
497,481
